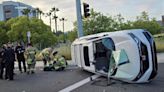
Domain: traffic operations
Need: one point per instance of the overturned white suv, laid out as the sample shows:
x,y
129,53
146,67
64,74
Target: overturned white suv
x,y
128,55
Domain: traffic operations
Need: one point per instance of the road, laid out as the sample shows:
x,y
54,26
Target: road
x,y
157,85
54,81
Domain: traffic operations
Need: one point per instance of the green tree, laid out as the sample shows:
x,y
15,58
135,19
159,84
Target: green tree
x,y
98,22
144,22
39,13
40,33
72,35
61,38
26,12
3,36
46,39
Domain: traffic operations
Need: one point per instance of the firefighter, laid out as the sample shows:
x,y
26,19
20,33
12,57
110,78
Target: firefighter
x,y
19,50
30,52
46,57
59,62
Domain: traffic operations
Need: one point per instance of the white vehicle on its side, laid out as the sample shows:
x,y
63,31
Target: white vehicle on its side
x,y
128,55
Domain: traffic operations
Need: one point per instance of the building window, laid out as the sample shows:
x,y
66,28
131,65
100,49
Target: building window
x,y
8,14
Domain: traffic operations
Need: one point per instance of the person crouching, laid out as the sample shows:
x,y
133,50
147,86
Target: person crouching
x,y
59,62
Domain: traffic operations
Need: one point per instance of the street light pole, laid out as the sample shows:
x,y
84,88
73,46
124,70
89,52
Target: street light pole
x,y
79,18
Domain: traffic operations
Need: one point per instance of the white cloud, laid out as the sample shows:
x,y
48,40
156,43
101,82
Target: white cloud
x,y
128,8
66,7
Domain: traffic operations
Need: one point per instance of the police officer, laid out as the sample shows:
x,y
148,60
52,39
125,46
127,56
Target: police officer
x,y
19,50
30,52
2,60
59,62
9,56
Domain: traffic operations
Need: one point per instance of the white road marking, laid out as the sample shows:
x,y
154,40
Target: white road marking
x,y
78,84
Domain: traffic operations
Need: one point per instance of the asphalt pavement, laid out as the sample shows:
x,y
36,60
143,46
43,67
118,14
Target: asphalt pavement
x,y
100,84
55,81
43,81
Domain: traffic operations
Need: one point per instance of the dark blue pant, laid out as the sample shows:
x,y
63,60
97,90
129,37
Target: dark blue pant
x,y
2,67
19,64
10,70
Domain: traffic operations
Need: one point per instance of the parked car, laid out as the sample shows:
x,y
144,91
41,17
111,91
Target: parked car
x,y
127,55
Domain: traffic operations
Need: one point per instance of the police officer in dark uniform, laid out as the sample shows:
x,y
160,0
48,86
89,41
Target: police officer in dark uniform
x,y
20,57
9,55
2,61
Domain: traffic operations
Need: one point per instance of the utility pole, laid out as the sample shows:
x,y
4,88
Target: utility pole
x,y
79,18
63,19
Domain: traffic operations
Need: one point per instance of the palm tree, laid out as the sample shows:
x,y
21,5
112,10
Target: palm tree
x,y
34,13
55,18
63,20
54,10
26,12
49,14
39,13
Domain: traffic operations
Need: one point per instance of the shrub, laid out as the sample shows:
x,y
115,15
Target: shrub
x,y
160,44
62,49
65,50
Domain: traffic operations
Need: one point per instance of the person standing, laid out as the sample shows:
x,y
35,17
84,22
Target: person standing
x,y
30,52
19,50
2,60
9,56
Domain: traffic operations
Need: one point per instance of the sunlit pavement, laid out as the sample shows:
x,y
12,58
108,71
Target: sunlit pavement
x,y
54,81
99,85
40,63
43,81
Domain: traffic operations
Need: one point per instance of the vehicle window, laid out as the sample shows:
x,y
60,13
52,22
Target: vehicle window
x,y
86,56
108,43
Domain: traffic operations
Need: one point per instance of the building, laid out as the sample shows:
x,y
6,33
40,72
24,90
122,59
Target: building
x,y
161,22
11,9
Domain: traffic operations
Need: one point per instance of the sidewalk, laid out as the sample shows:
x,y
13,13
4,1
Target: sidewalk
x,y
40,63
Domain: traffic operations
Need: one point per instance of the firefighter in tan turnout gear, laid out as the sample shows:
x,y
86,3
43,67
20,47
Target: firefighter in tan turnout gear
x,y
46,57
30,52
59,62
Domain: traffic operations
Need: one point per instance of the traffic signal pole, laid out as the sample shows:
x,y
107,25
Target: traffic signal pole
x,y
79,18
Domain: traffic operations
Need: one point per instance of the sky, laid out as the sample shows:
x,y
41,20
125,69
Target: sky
x,y
127,8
